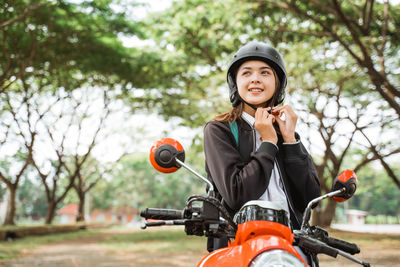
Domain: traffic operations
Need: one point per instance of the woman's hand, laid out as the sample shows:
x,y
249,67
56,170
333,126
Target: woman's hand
x,y
264,125
287,126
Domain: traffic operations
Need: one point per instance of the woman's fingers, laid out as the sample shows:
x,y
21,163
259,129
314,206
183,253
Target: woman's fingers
x,y
285,110
262,114
287,125
264,124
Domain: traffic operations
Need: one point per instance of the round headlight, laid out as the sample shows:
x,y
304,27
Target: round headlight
x,y
276,258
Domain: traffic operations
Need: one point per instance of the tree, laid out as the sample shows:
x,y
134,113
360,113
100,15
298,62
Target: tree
x,y
337,123
76,43
372,42
363,61
12,182
69,124
46,37
366,30
19,132
196,38
73,129
30,112
31,198
135,183
54,47
375,194
88,176
14,18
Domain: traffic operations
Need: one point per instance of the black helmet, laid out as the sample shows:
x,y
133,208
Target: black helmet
x,y
256,51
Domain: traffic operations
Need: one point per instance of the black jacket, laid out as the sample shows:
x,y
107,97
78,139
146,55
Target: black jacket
x,y
241,175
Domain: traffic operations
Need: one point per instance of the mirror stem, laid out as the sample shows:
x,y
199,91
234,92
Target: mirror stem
x,y
307,212
211,190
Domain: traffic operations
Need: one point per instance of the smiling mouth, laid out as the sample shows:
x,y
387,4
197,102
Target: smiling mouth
x,y
256,90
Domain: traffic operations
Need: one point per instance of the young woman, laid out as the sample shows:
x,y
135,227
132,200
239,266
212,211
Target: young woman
x,y
268,160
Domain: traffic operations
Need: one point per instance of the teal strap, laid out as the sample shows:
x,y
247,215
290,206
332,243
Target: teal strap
x,y
235,131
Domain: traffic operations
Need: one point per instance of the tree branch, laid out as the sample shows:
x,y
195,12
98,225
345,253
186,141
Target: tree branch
x,y
323,25
5,180
354,35
367,22
384,38
387,168
24,14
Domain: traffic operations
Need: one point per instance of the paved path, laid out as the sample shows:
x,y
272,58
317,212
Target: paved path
x,y
88,252
71,253
369,228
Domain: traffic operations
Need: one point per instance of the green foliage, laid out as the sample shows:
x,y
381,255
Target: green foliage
x,y
3,190
59,46
334,52
68,44
197,39
136,183
376,193
203,35
31,199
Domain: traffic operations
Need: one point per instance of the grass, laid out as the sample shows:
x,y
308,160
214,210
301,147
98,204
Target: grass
x,y
165,240
150,244
156,240
11,249
377,249
172,243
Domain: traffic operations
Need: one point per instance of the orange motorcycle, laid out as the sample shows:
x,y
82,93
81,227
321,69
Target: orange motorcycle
x,y
259,233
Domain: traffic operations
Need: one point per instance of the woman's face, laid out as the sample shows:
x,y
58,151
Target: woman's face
x,y
255,80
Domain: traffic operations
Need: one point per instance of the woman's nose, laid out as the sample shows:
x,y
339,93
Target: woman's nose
x,y
255,78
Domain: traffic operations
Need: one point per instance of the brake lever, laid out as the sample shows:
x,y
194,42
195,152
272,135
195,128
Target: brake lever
x,y
316,246
323,235
161,223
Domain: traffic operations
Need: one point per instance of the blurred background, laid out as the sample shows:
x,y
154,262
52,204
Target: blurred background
x,y
86,87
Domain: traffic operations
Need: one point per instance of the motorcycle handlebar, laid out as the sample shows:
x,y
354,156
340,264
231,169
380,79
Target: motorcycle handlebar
x,y
343,245
316,246
161,214
322,235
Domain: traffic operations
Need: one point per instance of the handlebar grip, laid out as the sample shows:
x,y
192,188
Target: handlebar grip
x,y
161,214
343,245
316,246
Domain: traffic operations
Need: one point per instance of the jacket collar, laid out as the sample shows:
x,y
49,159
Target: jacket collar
x,y
248,118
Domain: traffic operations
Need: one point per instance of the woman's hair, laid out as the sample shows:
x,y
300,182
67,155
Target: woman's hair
x,y
236,112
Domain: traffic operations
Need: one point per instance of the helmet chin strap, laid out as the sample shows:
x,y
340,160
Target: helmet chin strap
x,y
250,105
255,109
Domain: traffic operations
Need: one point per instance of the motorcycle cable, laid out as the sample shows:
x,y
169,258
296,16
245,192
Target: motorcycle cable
x,y
216,204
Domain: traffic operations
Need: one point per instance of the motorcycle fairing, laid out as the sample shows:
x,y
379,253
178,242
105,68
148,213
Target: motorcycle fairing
x,y
252,238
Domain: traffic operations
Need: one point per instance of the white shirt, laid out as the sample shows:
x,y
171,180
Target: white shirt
x,y
274,192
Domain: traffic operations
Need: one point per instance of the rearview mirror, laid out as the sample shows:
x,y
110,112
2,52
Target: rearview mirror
x,y
346,179
163,155
343,188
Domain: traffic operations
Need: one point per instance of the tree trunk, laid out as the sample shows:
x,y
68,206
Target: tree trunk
x,y
81,208
324,217
51,211
10,214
